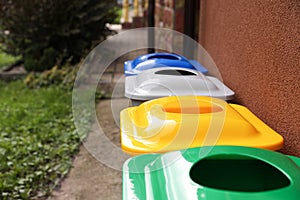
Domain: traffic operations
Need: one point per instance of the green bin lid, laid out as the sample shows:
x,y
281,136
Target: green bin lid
x,y
217,173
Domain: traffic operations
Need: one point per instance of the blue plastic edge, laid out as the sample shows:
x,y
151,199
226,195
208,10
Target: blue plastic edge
x,y
128,65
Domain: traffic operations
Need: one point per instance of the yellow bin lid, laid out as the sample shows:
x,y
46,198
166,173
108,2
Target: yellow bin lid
x,y
180,122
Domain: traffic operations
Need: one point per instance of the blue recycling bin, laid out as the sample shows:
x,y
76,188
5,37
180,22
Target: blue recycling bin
x,y
155,60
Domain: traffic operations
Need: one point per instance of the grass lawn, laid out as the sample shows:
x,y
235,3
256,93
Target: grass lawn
x,y
6,59
37,139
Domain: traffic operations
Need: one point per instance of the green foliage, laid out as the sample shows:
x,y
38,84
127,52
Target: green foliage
x,y
53,31
63,77
47,60
6,59
37,139
119,12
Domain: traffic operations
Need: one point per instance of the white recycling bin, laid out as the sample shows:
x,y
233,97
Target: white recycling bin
x,y
173,81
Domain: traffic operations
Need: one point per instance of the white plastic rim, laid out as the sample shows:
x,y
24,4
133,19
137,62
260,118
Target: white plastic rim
x,y
99,59
150,85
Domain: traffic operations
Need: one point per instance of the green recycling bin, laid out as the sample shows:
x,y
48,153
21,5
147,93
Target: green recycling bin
x,y
212,173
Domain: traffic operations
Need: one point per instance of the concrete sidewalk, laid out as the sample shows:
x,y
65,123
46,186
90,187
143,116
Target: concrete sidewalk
x,y
89,179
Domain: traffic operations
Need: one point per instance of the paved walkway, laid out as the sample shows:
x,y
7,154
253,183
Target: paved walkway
x,y
89,179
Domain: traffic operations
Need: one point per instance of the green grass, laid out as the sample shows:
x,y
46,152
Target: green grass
x,y
6,59
37,139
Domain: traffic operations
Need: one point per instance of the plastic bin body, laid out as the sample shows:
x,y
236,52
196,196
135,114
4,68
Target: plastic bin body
x,y
212,173
170,81
174,123
155,60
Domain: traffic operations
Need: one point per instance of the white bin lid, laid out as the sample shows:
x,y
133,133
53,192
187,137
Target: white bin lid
x,y
174,81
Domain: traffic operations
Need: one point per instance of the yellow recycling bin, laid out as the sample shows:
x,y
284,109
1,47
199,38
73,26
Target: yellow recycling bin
x,y
180,122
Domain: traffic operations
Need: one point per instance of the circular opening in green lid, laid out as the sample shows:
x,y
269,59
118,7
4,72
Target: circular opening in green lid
x,y
237,173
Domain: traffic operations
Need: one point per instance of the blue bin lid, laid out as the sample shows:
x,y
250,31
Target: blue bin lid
x,y
155,60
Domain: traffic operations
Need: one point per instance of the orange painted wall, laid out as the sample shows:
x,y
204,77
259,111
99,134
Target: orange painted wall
x,y
256,45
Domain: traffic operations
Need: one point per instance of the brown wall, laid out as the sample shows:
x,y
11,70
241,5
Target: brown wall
x,y
256,45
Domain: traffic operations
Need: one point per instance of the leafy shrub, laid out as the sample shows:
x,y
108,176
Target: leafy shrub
x,y
51,32
47,60
63,77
